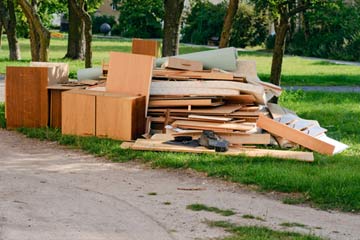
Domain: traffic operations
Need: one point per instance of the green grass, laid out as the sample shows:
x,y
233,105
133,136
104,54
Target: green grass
x,y
296,71
257,233
203,207
305,72
293,224
249,216
331,182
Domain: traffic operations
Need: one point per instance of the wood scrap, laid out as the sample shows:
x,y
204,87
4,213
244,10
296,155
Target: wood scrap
x,y
183,64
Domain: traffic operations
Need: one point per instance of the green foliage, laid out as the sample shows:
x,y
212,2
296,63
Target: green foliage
x,y
204,21
270,42
140,18
333,32
249,28
2,116
98,20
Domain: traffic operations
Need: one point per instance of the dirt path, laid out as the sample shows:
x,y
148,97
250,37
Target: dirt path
x,y
50,192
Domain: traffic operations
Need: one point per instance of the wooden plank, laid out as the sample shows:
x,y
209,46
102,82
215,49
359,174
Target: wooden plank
x,y
295,136
278,111
120,117
241,99
155,145
184,86
26,97
194,91
130,74
78,112
214,75
145,47
209,118
245,114
183,64
222,110
55,108
183,102
212,125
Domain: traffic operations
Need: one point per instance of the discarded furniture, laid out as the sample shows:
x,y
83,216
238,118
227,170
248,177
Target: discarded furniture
x,y
58,72
26,97
145,47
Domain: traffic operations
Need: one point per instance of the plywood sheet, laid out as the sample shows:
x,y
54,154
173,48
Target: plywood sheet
x,y
212,125
222,110
145,47
130,74
295,136
156,145
26,97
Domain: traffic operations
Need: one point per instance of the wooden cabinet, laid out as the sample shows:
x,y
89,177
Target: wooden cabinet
x,y
26,97
102,114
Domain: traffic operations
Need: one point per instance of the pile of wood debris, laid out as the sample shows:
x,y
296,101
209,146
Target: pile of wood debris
x,y
186,100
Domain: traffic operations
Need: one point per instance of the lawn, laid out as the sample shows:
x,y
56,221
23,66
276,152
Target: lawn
x,y
328,183
296,71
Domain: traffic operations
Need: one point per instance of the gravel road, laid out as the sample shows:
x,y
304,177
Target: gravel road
x,y
51,192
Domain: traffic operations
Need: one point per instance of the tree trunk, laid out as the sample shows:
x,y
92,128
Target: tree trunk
x,y
278,53
39,35
1,31
14,48
172,20
8,20
79,7
228,21
76,43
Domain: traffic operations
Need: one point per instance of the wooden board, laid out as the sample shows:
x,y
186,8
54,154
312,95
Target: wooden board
x,y
222,110
78,112
194,92
145,47
130,74
183,102
171,73
209,118
26,97
183,64
295,136
241,99
183,86
212,125
120,117
155,145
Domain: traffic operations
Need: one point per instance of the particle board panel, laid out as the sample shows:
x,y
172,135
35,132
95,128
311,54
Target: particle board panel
x,y
295,136
26,97
145,47
207,74
78,112
184,102
241,99
212,125
158,145
130,74
57,72
183,64
55,108
120,117
193,91
222,110
184,86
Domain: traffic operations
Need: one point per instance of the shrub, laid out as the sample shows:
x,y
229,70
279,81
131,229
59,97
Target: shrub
x,y
270,42
140,18
203,21
98,20
333,32
250,28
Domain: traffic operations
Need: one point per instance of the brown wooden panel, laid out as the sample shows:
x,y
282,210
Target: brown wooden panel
x,y
120,117
78,112
26,97
145,47
130,74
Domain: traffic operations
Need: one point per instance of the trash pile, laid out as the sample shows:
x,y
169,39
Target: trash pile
x,y
204,102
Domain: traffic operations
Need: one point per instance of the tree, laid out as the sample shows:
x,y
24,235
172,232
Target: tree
x,y
282,11
228,22
76,43
172,20
39,35
8,20
79,8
